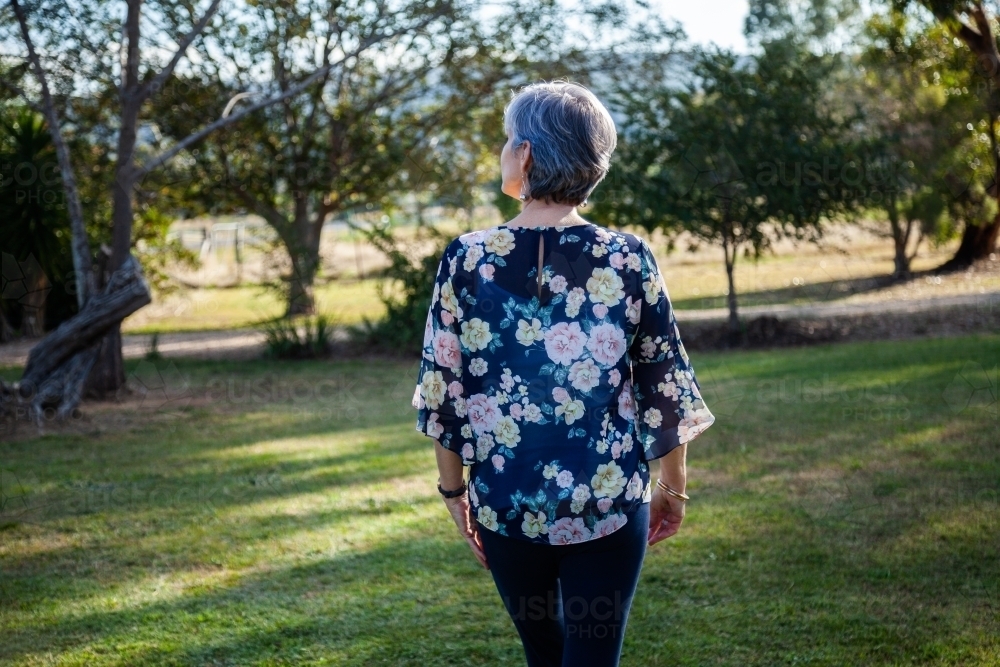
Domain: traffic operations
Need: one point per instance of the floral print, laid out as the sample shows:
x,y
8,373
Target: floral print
x,y
558,389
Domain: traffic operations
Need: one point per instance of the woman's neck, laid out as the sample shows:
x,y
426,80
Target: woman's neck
x,y
539,214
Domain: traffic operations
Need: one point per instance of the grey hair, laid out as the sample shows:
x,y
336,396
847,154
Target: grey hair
x,y
572,137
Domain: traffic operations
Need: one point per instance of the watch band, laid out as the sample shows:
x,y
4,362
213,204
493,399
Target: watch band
x,y
460,491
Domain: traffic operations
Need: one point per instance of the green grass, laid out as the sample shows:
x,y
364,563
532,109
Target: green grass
x,y
213,308
844,512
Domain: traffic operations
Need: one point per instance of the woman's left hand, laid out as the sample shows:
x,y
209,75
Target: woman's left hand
x,y
461,512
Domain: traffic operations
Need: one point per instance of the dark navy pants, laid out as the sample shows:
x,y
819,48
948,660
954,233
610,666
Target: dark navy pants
x,y
570,602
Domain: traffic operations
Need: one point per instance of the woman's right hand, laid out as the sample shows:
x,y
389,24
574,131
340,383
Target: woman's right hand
x,y
665,515
461,511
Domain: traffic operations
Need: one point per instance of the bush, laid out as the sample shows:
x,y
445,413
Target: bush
x,y
307,338
402,328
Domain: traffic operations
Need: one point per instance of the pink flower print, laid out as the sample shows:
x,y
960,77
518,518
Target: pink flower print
x,y
560,395
455,389
557,284
447,352
484,412
616,450
564,342
600,310
633,309
468,452
516,410
568,531
486,271
564,479
447,318
626,402
604,527
615,377
606,343
604,504
434,429
617,260
498,462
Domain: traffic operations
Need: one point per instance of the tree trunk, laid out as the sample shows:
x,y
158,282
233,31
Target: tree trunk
x,y
303,249
900,239
33,303
58,365
6,332
977,243
729,250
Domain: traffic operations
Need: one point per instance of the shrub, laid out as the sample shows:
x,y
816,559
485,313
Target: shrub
x,y
307,338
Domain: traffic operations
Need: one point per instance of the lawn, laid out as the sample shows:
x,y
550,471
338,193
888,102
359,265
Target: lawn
x,y
844,511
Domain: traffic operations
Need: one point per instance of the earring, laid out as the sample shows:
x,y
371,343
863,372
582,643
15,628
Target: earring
x,y
524,195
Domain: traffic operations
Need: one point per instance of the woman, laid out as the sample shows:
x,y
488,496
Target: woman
x,y
553,369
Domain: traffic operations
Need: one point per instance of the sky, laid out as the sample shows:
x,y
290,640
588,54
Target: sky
x,y
708,21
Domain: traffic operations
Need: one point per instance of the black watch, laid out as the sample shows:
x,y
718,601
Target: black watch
x,y
460,491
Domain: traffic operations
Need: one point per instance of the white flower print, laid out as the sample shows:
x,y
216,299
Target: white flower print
x,y
507,432
634,262
653,287
550,471
533,526
472,256
484,444
500,242
478,366
633,309
615,377
487,517
608,480
574,300
605,286
564,479
570,411
528,332
434,427
476,334
584,375
448,299
434,388
653,417
532,413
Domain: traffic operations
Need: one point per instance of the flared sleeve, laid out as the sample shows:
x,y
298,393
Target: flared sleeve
x,y
439,396
669,409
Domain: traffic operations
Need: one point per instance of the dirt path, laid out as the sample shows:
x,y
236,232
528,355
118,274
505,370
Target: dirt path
x,y
249,343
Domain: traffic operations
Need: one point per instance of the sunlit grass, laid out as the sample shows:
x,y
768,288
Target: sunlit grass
x,y
844,512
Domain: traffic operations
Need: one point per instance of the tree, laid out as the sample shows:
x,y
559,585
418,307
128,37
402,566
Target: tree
x,y
971,22
919,96
743,153
73,38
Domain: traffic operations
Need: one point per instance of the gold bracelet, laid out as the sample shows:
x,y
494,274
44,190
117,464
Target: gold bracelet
x,y
675,494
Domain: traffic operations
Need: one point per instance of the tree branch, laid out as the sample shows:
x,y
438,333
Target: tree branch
x,y
81,247
166,155
153,85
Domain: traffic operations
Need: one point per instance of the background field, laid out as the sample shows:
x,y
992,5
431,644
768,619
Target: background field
x,y
844,512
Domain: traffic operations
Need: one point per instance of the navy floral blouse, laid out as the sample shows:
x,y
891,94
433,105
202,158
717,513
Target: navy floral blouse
x,y
555,387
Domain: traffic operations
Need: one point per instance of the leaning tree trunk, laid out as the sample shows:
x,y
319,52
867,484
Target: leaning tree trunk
x,y
977,243
58,366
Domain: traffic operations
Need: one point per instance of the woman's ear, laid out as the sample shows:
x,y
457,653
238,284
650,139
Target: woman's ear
x,y
525,157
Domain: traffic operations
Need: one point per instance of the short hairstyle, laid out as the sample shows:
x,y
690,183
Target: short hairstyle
x,y
572,137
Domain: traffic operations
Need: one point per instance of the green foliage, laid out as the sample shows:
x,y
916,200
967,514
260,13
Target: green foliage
x,y
407,288
301,338
33,217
